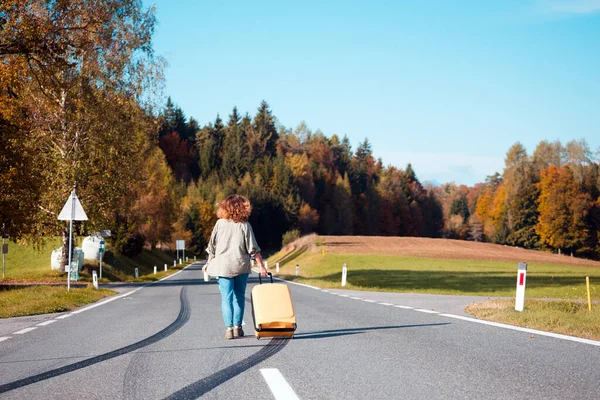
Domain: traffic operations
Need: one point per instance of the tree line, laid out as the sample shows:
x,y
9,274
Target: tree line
x,y
78,106
295,178
548,200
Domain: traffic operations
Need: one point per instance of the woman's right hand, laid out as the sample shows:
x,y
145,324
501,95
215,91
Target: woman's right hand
x,y
263,270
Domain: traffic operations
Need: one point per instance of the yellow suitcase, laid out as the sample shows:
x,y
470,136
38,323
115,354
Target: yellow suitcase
x,y
272,310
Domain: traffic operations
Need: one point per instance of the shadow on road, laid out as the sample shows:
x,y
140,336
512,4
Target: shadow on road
x,y
355,331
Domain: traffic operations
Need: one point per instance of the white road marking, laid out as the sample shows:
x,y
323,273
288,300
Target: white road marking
x,y
528,330
64,316
426,311
356,298
102,302
22,331
343,295
2,339
404,307
386,304
279,387
369,301
51,321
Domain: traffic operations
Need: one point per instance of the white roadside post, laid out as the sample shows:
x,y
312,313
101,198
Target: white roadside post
x,y
344,274
165,267
155,270
95,279
297,270
174,263
136,273
521,278
277,267
72,211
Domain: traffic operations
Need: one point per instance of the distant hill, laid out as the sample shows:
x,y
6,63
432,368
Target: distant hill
x,y
439,248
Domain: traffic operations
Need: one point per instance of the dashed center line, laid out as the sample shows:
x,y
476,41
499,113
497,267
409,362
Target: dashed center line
x,y
22,331
279,387
2,339
64,316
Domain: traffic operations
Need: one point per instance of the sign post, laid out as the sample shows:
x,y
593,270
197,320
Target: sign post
x,y
521,278
4,249
101,254
344,274
180,245
72,211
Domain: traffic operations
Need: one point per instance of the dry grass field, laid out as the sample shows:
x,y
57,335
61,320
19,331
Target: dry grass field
x,y
443,249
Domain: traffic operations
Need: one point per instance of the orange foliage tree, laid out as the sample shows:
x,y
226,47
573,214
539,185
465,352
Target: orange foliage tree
x,y
563,210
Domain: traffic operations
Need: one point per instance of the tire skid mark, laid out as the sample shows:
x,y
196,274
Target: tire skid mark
x,y
205,385
182,318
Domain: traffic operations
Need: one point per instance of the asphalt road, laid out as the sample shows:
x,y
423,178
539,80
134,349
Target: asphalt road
x,y
165,340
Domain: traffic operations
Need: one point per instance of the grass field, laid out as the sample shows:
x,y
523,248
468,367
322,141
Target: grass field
x,y
46,299
424,275
565,317
390,269
26,264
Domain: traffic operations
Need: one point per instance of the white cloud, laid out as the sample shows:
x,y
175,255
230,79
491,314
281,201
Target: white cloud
x,y
571,6
445,167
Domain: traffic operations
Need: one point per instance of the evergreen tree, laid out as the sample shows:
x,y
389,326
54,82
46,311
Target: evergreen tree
x,y
235,149
265,132
460,207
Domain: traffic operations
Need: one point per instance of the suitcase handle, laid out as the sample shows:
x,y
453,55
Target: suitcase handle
x,y
260,279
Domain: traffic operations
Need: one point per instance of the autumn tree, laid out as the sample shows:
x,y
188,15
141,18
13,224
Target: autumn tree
x,y
563,210
84,68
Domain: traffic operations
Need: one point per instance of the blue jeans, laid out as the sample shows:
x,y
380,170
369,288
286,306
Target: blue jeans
x,y
233,299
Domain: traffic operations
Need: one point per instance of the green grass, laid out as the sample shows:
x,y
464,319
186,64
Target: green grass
x,y
422,275
565,317
26,264
46,299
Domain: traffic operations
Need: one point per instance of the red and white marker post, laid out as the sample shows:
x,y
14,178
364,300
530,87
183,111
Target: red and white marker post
x,y
521,278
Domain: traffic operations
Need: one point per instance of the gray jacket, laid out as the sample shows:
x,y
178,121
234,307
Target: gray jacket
x,y
231,244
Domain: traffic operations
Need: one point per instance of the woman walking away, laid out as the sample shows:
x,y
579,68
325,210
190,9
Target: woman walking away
x,y
232,244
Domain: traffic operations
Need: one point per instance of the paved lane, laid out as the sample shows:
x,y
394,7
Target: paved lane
x,y
165,341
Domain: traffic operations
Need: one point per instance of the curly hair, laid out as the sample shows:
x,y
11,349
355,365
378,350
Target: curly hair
x,y
235,207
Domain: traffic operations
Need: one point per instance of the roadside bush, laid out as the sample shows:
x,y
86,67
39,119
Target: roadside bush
x,y
289,237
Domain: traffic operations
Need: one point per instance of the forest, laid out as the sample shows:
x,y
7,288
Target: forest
x,y
81,105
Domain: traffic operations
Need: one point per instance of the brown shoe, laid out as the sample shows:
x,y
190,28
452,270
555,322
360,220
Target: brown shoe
x,y
238,332
229,333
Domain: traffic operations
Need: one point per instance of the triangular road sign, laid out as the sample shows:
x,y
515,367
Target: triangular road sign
x,y
78,213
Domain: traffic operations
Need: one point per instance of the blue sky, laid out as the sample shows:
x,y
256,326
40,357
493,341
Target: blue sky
x,y
448,86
